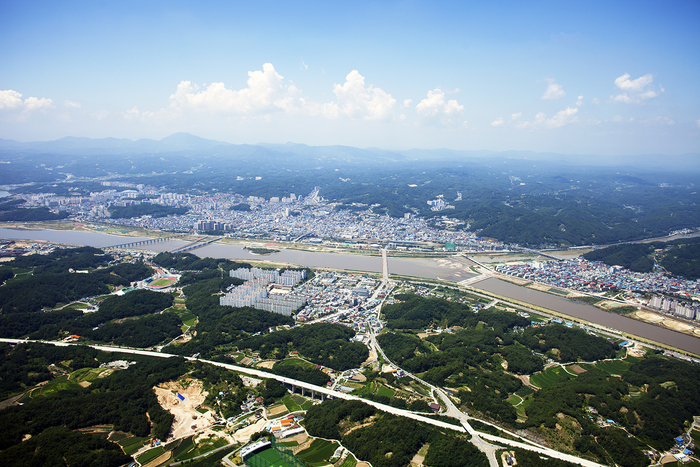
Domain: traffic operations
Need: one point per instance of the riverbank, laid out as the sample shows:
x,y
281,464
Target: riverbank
x,y
453,269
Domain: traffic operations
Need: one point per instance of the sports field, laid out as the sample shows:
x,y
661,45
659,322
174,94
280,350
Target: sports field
x,y
163,282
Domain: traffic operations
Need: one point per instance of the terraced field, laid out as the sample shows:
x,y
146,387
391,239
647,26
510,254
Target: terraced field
x,y
549,377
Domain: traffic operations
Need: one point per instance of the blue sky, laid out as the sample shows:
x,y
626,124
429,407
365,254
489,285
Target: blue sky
x,y
571,77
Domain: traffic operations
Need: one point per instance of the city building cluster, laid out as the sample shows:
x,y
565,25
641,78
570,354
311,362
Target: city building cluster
x,y
266,290
687,310
280,218
596,277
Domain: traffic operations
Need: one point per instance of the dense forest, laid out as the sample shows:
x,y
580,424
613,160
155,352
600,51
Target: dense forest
x,y
678,257
59,447
386,440
415,312
124,399
50,284
482,357
322,343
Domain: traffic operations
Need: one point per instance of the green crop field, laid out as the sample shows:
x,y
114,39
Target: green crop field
x,y
58,384
366,389
300,400
318,453
350,461
291,405
307,405
549,377
131,445
186,445
614,367
149,455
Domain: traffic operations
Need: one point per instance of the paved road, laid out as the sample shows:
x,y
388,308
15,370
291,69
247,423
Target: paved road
x,y
478,437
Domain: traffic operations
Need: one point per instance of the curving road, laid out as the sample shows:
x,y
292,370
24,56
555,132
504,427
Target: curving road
x,y
478,438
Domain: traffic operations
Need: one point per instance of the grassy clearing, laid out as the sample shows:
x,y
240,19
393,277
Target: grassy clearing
x,y
514,399
295,361
188,319
385,391
549,377
558,292
614,367
318,453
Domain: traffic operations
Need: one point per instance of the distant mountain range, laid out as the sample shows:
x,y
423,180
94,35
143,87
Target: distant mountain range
x,y
185,144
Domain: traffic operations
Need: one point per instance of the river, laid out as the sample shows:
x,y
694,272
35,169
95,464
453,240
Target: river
x,y
426,268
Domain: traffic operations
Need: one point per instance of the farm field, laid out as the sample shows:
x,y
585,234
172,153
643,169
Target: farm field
x,y
318,453
614,367
291,404
549,377
131,445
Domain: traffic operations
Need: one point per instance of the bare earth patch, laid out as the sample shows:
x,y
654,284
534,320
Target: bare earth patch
x,y
648,316
266,364
187,420
419,458
577,369
243,435
276,410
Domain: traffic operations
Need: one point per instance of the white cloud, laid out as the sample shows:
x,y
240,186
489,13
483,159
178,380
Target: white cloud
x,y
697,122
636,90
407,102
265,93
355,100
433,110
596,101
579,102
554,91
617,118
71,104
516,116
304,66
624,82
659,121
498,122
10,99
561,118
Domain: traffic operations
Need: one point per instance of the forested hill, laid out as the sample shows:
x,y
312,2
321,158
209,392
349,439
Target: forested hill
x,y
679,257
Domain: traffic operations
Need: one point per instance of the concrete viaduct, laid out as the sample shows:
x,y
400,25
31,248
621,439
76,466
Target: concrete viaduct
x,y
330,393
